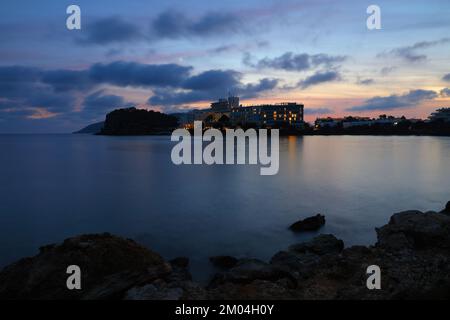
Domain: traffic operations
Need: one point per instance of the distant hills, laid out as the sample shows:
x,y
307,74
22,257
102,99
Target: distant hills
x,y
92,128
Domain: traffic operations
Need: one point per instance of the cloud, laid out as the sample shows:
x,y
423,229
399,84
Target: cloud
x,y
210,85
319,77
23,92
173,24
445,92
318,111
40,113
392,102
295,62
30,91
253,90
446,77
67,80
387,70
410,54
365,82
224,48
124,74
110,30
58,92
212,80
98,104
169,24
16,74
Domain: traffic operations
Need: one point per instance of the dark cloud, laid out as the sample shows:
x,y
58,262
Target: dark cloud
x,y
445,92
295,62
18,74
254,89
170,24
169,98
446,77
43,97
210,85
365,82
59,91
213,80
25,89
21,82
22,90
67,80
225,48
318,111
215,23
98,104
410,53
123,74
174,24
392,102
36,93
110,30
319,77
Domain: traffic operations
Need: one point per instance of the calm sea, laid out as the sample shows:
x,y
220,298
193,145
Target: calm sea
x,y
56,186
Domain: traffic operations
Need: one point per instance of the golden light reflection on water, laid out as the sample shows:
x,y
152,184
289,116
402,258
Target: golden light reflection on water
x,y
292,148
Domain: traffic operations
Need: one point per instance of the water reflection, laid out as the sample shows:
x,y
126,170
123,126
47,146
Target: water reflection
x,y
58,186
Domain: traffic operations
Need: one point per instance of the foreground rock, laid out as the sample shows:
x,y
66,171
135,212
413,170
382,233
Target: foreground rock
x,y
447,209
110,267
224,262
412,251
309,224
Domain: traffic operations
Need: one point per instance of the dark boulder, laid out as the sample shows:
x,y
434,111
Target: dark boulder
x,y
109,267
322,244
180,262
224,262
302,258
308,224
447,209
249,270
180,270
415,230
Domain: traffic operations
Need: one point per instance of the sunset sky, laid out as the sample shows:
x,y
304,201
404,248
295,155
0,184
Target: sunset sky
x,y
175,55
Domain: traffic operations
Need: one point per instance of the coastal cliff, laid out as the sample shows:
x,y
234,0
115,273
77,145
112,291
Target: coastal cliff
x,y
412,251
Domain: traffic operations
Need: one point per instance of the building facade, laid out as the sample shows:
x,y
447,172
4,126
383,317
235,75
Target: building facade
x,y
269,115
289,114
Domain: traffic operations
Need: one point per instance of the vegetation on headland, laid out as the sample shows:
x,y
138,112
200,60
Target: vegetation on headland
x,y
412,251
132,121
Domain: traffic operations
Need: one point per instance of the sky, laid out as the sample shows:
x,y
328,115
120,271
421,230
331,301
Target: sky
x,y
173,56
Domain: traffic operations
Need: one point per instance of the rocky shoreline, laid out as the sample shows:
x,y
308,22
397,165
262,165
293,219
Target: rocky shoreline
x,y
412,251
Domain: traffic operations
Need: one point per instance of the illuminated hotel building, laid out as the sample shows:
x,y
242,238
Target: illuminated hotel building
x,y
282,114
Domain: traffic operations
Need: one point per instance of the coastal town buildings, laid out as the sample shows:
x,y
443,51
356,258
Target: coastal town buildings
x,y
352,121
288,114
